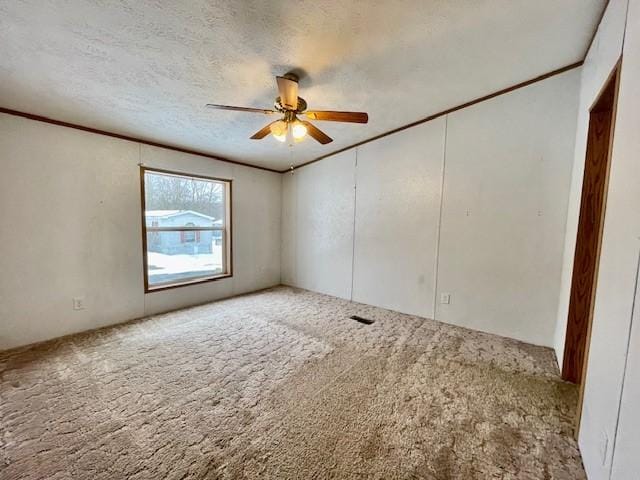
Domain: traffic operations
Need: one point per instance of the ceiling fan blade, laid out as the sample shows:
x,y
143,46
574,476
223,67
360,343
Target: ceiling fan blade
x,y
263,132
240,109
288,90
317,134
352,117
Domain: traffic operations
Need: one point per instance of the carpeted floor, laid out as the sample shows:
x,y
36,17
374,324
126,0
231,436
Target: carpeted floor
x,y
279,385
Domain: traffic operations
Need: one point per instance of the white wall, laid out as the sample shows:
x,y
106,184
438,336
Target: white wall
x,y
70,209
507,162
318,234
622,236
609,439
626,461
399,181
600,61
507,175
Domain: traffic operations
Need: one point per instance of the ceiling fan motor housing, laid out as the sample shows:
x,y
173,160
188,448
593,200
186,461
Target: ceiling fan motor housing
x,y
302,106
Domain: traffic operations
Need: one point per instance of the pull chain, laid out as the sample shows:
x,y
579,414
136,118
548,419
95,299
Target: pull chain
x,y
291,158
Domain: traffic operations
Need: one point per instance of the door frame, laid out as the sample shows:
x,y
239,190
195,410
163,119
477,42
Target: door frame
x,y
612,82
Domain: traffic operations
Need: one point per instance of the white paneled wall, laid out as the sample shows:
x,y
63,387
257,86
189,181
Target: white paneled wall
x,y
600,61
609,438
317,243
625,458
506,184
613,301
70,204
622,232
397,212
507,168
67,230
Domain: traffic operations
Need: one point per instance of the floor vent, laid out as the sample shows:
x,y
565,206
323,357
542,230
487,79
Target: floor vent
x,y
366,321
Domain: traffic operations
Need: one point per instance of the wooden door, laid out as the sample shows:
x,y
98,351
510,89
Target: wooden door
x,y
590,223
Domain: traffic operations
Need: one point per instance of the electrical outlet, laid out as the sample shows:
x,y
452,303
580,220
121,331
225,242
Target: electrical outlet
x,y
445,298
78,303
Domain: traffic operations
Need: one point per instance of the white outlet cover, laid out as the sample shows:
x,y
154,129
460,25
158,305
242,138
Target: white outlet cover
x,y
78,303
445,298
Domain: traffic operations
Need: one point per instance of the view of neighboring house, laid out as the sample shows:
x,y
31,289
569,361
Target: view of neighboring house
x,y
185,242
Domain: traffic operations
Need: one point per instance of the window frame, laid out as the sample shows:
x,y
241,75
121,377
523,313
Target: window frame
x,y
226,229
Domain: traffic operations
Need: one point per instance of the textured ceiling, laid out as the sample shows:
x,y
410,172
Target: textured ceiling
x,y
146,68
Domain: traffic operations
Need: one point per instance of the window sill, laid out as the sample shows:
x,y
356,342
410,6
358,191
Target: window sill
x,y
195,281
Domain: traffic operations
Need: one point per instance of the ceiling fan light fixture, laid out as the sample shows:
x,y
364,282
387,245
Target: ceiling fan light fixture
x,y
279,130
299,130
281,138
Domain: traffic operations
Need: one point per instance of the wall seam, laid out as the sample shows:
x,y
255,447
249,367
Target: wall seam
x,y
355,206
294,272
281,225
439,226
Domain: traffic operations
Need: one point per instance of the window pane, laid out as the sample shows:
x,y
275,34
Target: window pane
x,y
176,202
168,198
171,259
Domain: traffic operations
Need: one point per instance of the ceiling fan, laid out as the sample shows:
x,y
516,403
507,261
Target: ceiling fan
x,y
290,127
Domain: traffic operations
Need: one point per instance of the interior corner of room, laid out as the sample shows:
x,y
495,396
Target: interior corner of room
x,y
513,212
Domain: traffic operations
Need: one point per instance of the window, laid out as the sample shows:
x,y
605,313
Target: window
x,y
190,235
187,228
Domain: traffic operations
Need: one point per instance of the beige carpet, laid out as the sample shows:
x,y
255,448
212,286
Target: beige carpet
x,y
282,384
